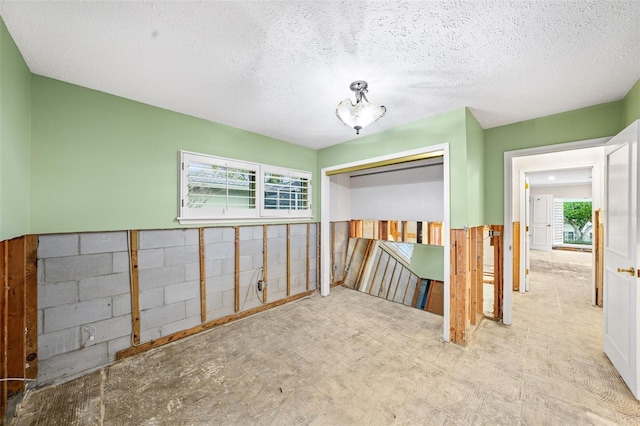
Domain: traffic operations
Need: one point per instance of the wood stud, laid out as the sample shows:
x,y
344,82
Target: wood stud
x,y
16,314
265,263
236,295
135,290
31,306
203,278
516,256
4,298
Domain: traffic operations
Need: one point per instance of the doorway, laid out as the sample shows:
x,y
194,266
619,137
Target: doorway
x,y
328,195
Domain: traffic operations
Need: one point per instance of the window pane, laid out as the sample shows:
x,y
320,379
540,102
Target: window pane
x,y
283,192
212,186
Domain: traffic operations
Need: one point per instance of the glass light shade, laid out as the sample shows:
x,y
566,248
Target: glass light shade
x,y
359,115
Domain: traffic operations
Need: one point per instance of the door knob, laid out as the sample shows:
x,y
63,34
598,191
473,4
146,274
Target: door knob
x,y
631,271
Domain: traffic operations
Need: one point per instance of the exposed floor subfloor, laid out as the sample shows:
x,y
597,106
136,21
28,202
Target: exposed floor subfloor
x,y
355,359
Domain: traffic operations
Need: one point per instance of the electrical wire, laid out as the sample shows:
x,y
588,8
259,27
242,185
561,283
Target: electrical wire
x,y
17,379
255,272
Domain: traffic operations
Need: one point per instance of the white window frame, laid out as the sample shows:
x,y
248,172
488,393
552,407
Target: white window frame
x,y
285,212
189,215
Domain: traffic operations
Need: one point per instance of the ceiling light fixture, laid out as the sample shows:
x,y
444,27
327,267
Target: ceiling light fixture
x,y
362,113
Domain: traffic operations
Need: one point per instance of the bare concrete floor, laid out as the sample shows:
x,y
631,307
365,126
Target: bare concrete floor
x,y
356,359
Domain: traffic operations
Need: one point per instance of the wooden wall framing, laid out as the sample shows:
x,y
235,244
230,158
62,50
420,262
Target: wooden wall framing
x,y
598,247
516,256
19,315
138,347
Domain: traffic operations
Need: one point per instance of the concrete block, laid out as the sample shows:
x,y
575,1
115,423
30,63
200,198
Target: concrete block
x,y
277,295
192,271
246,233
121,261
228,235
246,263
150,258
282,231
272,231
222,282
213,268
67,316
40,321
276,244
121,305
219,313
219,251
72,364
103,242
58,245
116,345
258,232
248,278
251,247
40,265
228,266
277,271
104,285
298,229
192,307
166,314
151,298
58,342
151,334
212,235
77,267
108,329
55,294
174,327
258,260
214,301
181,255
162,238
183,291
228,298
298,266
160,277
192,237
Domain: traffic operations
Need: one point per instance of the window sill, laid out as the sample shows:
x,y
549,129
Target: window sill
x,y
256,220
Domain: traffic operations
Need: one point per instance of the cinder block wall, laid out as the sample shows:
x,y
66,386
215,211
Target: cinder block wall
x,y
84,287
220,271
83,290
169,281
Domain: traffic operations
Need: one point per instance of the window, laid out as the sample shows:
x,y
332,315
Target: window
x,y
285,191
214,188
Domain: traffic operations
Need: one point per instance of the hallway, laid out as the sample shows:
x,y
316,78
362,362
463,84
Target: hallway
x,y
355,359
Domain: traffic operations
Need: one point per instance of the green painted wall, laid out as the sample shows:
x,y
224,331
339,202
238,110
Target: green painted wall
x,y
444,128
15,110
475,171
631,104
100,162
427,261
581,124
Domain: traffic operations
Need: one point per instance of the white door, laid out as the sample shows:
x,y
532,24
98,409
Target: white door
x,y
541,220
621,295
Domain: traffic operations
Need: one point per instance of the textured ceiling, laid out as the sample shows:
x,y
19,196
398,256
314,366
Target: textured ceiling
x,y
574,176
280,68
